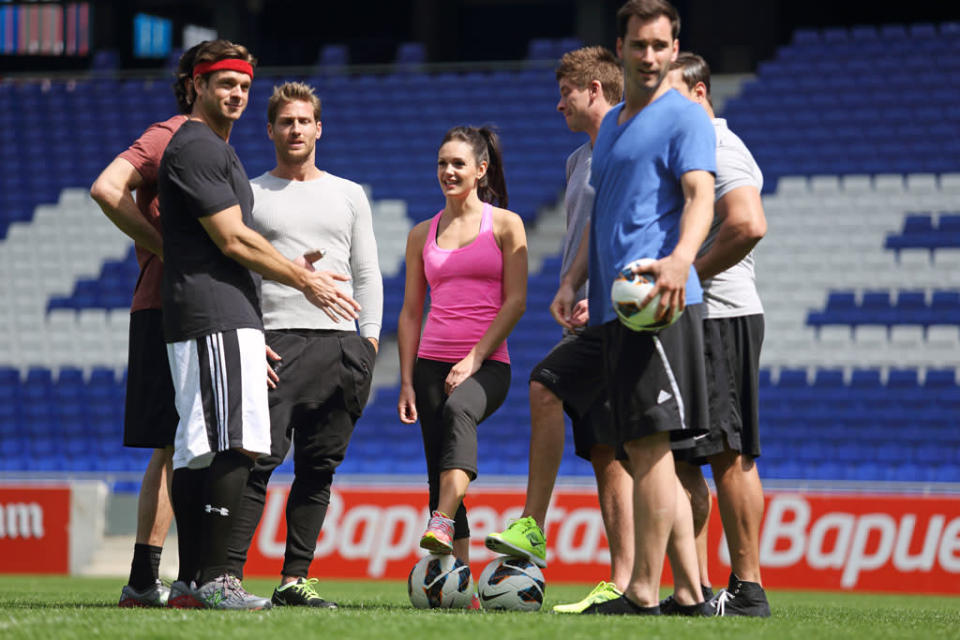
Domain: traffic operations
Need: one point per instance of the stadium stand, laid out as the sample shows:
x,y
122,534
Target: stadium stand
x,y
859,272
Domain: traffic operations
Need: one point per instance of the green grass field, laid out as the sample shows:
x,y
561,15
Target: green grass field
x,y
57,607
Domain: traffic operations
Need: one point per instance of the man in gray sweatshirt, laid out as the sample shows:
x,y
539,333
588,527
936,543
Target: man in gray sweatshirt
x,y
323,366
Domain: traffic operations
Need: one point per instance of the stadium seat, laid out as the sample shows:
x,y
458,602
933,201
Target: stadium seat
x,y
876,308
945,308
911,308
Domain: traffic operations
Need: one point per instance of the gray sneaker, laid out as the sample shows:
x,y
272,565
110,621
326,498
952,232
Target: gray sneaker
x,y
226,592
184,596
153,596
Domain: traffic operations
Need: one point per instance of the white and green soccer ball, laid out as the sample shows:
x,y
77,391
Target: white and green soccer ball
x,y
627,293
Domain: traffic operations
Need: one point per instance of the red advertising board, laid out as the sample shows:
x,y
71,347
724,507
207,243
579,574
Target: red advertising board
x,y
34,529
868,542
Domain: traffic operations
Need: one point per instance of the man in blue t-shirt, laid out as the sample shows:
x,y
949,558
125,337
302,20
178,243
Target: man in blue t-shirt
x,y
653,171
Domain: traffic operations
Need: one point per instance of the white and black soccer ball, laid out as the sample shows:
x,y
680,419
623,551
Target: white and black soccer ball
x,y
511,584
628,291
440,582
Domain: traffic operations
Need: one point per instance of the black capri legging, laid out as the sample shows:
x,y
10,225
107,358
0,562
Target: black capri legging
x,y
449,424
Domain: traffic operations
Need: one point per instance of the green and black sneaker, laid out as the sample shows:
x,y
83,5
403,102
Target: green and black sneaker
x,y
522,539
302,593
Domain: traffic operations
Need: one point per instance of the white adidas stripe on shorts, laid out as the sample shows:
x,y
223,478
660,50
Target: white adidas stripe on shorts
x,y
220,381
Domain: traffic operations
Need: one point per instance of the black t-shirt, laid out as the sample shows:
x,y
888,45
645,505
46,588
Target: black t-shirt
x,y
203,290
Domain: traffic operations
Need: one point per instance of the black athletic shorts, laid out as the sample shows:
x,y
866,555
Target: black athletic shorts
x,y
150,414
657,380
732,354
572,372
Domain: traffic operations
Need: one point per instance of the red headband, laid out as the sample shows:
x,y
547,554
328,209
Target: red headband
x,y
228,64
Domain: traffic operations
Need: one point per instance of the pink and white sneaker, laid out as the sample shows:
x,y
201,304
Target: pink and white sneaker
x,y
438,537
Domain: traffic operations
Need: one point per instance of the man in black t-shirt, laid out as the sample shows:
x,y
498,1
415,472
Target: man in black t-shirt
x,y
212,320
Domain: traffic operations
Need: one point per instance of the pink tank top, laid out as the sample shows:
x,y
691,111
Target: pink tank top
x,y
466,293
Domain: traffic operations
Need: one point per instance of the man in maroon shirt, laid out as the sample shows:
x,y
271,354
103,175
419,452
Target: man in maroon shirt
x,y
150,414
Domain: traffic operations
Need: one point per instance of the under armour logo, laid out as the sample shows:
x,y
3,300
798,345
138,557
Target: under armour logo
x,y
221,510
663,397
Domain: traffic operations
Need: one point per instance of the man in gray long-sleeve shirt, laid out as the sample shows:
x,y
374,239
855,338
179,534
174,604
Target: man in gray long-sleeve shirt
x,y
323,368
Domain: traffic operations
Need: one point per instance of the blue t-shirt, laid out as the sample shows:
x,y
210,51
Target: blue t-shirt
x,y
636,174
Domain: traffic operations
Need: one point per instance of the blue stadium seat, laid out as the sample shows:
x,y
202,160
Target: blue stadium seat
x,y
863,33
9,377
945,308
893,32
841,309
948,230
411,53
911,308
876,308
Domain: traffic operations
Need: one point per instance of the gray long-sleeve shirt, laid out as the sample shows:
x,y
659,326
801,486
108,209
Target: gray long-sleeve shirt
x,y
328,213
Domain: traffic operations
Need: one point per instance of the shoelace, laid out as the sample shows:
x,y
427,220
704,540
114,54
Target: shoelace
x,y
723,596
307,587
600,588
443,524
233,587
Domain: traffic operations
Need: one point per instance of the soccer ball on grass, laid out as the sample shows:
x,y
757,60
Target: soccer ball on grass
x,y
512,584
440,582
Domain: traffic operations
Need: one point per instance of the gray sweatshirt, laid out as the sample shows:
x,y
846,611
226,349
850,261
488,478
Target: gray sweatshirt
x,y
328,213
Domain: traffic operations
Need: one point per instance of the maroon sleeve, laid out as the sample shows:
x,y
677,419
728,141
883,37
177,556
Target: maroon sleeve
x,y
145,153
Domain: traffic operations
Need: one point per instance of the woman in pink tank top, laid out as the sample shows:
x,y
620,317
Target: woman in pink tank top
x,y
472,256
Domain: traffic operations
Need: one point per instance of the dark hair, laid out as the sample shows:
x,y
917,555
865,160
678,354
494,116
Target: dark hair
x,y
647,10
695,69
486,148
217,50
182,84
583,66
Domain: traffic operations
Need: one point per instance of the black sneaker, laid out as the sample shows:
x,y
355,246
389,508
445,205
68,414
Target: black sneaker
x,y
670,607
741,599
621,606
301,593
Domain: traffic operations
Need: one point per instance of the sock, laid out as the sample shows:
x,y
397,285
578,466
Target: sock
x,y
249,511
186,496
145,568
226,479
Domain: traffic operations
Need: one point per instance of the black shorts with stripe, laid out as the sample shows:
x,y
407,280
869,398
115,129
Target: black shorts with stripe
x,y
570,371
220,383
150,413
732,354
657,380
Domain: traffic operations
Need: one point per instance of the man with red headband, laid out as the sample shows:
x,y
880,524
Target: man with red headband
x,y
150,417
212,320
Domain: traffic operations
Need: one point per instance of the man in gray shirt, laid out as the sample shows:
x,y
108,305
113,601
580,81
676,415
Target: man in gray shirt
x,y
590,82
733,333
323,367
